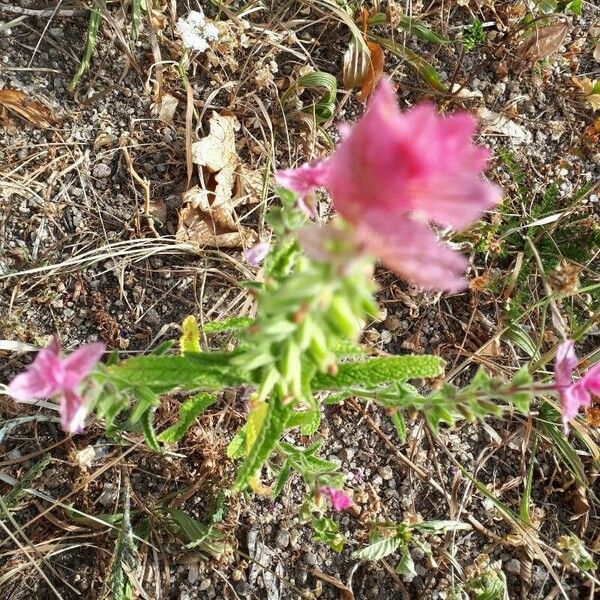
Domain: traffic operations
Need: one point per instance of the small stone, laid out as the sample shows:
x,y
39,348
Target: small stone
x,y
101,171
386,473
513,567
301,576
294,536
204,584
346,454
243,588
310,558
283,539
108,495
392,322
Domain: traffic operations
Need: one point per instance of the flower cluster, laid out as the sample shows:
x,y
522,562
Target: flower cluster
x,y
394,175
50,375
196,31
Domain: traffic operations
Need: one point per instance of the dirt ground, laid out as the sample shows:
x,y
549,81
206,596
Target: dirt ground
x,y
92,184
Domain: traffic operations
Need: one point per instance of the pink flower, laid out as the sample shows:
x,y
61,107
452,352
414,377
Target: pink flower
x,y
338,498
50,375
573,395
395,174
256,254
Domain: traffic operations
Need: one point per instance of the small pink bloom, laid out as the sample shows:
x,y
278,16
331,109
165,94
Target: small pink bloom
x,y
394,172
255,255
51,375
338,498
573,395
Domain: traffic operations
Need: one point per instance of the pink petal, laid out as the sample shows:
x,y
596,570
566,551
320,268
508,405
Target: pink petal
x,y
303,179
256,254
457,201
41,379
72,412
81,363
338,498
591,380
414,253
565,363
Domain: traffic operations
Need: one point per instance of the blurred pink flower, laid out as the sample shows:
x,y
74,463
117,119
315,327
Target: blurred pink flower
x,y
394,174
338,498
573,395
256,254
50,375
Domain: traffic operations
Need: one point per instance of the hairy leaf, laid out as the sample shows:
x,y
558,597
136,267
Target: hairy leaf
x,y
273,426
165,373
379,549
378,371
189,411
189,342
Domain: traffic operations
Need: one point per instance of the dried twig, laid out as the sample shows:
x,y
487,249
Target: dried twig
x,y
44,12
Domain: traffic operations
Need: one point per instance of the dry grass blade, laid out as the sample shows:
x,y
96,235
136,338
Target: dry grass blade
x,y
356,64
33,111
543,42
374,71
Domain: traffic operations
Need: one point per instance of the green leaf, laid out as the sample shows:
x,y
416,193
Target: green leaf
x,y
147,423
324,107
197,534
164,373
423,32
146,399
189,411
189,342
406,566
400,425
521,400
12,498
309,420
237,446
326,530
516,334
90,42
379,549
125,557
441,526
282,478
378,371
414,61
234,324
272,428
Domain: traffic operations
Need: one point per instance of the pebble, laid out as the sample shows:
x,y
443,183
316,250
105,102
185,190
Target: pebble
x,y
204,584
102,171
513,567
346,454
294,536
386,473
283,539
310,558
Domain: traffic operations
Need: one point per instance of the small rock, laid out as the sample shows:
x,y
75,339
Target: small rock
x,y
294,536
108,495
310,558
243,588
386,473
101,171
204,584
283,539
513,567
301,576
392,322
346,454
